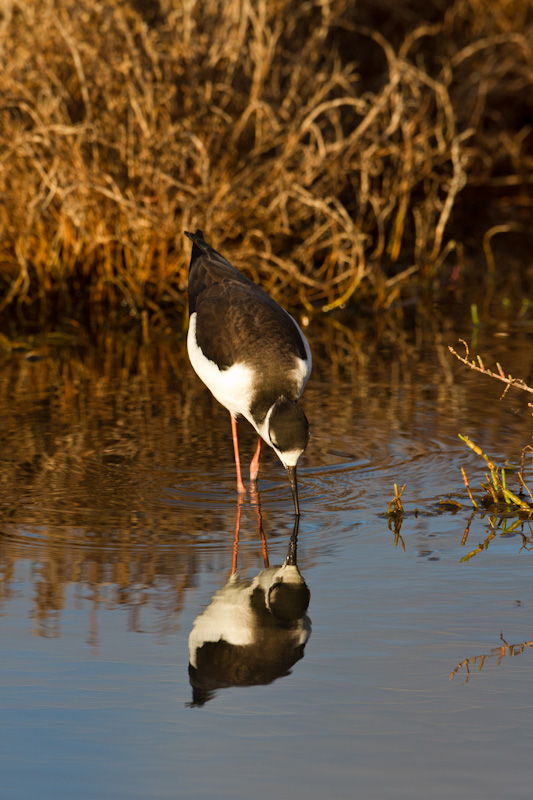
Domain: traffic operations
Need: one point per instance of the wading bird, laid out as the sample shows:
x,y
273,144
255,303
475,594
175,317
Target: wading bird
x,y
253,631
251,355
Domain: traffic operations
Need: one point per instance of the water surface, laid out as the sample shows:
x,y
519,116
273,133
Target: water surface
x,y
117,532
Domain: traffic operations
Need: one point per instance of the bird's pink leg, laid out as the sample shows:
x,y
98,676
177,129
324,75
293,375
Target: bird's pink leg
x,y
254,465
240,484
236,540
263,537
254,497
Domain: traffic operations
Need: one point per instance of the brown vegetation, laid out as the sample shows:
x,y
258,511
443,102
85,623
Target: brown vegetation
x,y
323,145
505,649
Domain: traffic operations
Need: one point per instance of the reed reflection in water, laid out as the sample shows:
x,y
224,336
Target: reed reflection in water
x,y
110,477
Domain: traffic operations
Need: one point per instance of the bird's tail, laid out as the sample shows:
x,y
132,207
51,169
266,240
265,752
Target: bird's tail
x,y
199,245
201,248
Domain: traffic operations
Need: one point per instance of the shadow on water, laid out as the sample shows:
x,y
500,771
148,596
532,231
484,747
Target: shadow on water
x,y
253,631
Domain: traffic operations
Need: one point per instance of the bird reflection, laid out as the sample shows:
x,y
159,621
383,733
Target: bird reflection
x,y
253,631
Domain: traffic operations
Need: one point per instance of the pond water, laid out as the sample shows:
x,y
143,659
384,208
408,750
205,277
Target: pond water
x,y
119,514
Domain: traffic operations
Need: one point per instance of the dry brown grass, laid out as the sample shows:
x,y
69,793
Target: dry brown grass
x,y
323,145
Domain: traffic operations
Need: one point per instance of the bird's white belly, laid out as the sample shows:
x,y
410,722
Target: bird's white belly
x,y
231,387
227,618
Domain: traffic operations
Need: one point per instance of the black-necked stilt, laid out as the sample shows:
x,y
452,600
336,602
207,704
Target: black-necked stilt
x,y
251,354
253,631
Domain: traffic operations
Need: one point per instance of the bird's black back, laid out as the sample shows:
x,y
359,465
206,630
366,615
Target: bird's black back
x,y
236,320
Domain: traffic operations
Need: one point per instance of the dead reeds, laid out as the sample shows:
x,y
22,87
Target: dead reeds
x,y
323,145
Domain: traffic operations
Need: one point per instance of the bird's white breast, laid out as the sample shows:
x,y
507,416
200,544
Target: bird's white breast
x,y
232,387
228,618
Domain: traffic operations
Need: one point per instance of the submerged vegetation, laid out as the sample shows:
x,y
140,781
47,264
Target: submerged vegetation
x,y
507,511
510,512
336,148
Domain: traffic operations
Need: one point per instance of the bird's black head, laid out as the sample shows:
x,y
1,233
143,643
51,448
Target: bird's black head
x,y
288,429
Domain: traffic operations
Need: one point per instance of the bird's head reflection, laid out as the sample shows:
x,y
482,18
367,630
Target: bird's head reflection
x,y
252,632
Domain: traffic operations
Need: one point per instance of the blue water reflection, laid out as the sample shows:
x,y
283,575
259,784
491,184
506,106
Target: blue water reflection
x,y
116,542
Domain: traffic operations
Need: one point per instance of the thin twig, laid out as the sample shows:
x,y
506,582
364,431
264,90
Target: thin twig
x,y
499,652
517,383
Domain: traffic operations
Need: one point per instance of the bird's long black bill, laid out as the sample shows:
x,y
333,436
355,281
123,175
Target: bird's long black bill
x,y
293,544
291,472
